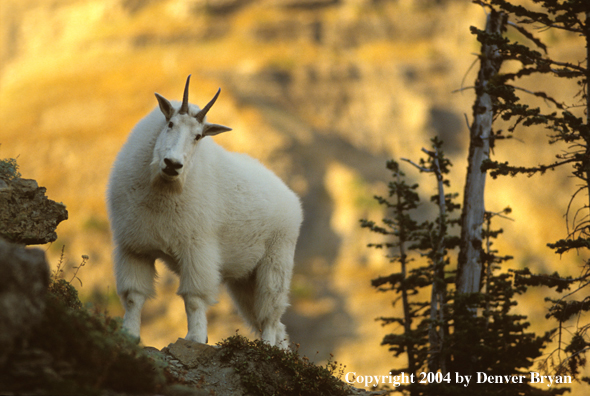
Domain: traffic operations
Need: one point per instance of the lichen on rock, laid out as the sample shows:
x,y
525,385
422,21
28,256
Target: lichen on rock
x,y
27,216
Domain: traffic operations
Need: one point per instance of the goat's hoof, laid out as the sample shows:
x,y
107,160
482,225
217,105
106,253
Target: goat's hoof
x,y
134,339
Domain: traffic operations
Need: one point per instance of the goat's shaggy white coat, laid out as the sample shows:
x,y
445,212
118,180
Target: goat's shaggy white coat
x,y
218,216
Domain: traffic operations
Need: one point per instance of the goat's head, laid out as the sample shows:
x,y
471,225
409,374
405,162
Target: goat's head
x,y
178,140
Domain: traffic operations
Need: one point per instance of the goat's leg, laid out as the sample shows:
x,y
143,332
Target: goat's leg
x,y
133,303
135,277
245,294
199,283
196,315
273,278
242,292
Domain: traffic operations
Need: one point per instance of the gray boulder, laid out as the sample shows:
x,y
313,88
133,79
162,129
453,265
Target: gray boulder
x,y
25,279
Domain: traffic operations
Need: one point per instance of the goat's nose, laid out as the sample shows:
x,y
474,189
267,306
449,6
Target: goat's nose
x,y
172,164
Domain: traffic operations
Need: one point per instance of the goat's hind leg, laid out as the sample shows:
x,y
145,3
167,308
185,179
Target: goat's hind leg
x,y
244,293
271,298
135,277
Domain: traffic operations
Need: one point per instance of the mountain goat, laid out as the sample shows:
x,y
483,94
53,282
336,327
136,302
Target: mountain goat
x,y
211,215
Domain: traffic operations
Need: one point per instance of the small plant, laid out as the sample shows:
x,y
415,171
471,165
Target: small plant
x,y
62,289
58,273
78,268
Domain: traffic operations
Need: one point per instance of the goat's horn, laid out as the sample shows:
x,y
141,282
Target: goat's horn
x,y
184,107
201,114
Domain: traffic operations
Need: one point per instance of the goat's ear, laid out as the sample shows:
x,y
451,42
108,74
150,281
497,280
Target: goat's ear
x,y
214,129
165,106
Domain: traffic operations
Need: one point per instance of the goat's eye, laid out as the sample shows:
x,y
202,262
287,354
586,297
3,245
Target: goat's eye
x,y
198,137
170,124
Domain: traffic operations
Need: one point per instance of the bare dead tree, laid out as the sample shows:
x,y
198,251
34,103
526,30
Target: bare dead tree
x,y
472,218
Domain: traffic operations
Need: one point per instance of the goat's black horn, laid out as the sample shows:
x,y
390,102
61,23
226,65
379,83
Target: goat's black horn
x,y
184,107
201,114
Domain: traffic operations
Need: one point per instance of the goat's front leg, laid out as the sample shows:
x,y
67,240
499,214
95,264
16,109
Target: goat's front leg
x,y
133,303
196,315
135,283
199,283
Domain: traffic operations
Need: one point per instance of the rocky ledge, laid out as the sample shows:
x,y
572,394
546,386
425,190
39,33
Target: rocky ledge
x,y
27,216
239,367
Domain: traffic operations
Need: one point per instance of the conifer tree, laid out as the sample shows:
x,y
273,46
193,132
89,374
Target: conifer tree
x,y
467,326
570,124
402,231
430,338
426,333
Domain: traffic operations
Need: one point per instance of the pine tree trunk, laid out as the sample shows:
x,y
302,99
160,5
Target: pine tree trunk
x,y
470,263
410,350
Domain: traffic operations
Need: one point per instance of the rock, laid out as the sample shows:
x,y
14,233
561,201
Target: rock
x,y
191,353
201,366
27,216
25,278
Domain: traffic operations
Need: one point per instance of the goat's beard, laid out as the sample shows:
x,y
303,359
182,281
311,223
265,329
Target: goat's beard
x,y
174,186
166,184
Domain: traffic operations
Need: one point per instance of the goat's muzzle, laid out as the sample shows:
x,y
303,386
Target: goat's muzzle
x,y
172,167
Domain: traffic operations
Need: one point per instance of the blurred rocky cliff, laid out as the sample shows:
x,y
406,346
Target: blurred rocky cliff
x,y
321,91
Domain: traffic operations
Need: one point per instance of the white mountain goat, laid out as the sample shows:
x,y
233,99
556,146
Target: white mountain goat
x,y
209,214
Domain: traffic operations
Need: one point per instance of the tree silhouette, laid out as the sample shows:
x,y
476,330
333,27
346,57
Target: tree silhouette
x,y
466,326
570,125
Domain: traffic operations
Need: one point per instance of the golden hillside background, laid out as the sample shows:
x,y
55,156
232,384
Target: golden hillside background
x,y
323,92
